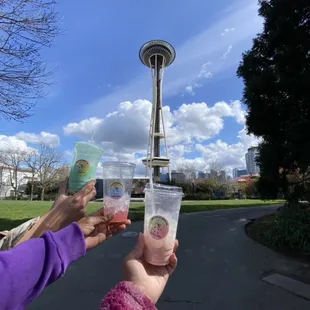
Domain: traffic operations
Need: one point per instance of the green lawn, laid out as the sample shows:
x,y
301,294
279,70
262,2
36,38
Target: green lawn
x,y
13,213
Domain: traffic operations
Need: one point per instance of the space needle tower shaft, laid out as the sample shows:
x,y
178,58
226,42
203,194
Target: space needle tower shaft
x,y
157,55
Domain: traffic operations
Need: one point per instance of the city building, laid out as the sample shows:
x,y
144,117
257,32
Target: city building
x,y
201,175
237,173
213,174
178,176
8,178
164,177
250,159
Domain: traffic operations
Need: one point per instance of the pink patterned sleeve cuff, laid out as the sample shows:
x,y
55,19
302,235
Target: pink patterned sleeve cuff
x,y
126,296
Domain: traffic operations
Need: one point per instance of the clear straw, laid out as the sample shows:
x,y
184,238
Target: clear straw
x,y
151,176
151,188
120,168
92,137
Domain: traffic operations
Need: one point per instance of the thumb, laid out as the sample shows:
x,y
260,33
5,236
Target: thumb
x,y
99,212
63,187
137,252
96,220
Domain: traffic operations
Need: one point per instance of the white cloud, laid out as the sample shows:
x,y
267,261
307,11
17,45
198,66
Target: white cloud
x,y
227,52
124,132
179,150
110,155
84,128
229,155
190,89
190,58
46,138
176,151
227,30
198,161
204,72
196,121
124,129
12,143
199,122
197,82
238,112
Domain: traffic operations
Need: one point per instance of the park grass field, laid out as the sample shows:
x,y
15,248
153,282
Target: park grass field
x,y
13,213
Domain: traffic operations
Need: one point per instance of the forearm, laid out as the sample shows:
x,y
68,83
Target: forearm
x,y
51,221
29,267
126,296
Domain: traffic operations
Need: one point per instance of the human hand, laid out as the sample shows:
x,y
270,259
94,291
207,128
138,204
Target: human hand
x,y
112,226
68,209
65,210
151,280
97,229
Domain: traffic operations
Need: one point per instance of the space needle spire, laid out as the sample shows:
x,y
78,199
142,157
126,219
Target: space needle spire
x,y
157,55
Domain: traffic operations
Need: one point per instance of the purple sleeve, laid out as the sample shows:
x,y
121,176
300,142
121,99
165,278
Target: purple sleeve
x,y
126,296
26,269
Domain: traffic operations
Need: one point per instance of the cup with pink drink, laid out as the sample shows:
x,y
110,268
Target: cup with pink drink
x,y
162,208
117,185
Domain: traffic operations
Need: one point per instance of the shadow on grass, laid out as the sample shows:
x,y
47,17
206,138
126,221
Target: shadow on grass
x,y
8,224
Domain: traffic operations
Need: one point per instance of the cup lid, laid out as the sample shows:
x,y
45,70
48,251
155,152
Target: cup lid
x,y
89,144
118,163
167,189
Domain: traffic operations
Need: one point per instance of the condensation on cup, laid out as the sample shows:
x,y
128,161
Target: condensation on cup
x,y
162,208
117,184
84,165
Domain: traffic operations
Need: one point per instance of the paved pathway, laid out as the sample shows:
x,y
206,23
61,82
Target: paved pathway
x,y
219,268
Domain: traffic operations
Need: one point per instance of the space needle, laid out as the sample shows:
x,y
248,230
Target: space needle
x,y
157,55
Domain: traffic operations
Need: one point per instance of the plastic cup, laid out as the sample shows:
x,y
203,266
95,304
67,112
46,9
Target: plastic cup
x,y
162,208
84,165
117,185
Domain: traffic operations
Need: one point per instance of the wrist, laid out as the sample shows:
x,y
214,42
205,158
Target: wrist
x,y
57,220
140,287
143,291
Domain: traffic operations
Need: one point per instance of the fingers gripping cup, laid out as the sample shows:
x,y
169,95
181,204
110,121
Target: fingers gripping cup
x,y
84,165
162,208
117,184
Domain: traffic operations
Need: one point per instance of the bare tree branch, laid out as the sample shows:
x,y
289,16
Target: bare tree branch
x,y
47,165
12,162
26,26
217,173
31,161
188,168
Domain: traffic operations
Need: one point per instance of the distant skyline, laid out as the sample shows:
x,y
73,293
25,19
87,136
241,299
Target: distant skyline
x,y
250,159
101,86
236,173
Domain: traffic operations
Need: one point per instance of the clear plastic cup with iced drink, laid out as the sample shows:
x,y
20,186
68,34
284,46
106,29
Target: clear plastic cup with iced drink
x,y
162,208
117,185
84,165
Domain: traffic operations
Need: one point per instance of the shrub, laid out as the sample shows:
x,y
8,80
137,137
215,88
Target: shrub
x,y
291,229
50,197
199,196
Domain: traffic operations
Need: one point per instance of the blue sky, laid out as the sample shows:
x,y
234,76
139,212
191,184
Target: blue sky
x,y
99,70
